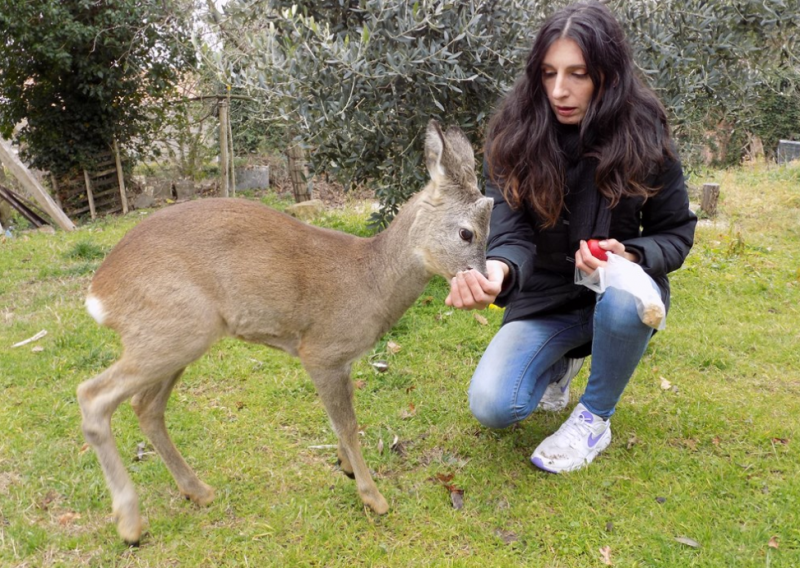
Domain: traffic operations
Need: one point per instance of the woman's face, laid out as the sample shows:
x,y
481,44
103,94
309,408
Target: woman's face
x,y
566,81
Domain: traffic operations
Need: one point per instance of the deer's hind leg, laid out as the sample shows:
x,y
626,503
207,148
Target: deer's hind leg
x,y
148,369
336,391
149,406
99,398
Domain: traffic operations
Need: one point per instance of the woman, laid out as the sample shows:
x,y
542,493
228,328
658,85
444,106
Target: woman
x,y
579,149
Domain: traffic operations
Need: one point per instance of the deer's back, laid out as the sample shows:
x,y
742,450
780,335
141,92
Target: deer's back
x,y
255,272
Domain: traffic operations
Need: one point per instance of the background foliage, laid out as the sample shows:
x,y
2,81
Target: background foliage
x,y
357,80
77,74
713,64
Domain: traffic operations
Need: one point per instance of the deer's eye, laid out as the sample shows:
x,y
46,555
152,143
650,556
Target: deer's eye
x,y
465,234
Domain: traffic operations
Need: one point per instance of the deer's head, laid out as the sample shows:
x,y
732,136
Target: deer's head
x,y
453,217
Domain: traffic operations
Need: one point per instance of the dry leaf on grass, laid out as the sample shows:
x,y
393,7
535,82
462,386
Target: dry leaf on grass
x,y
47,500
142,451
665,384
398,447
773,542
688,541
506,536
393,347
456,493
605,552
412,410
360,384
457,498
67,518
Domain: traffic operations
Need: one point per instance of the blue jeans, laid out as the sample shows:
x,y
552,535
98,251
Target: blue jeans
x,y
527,355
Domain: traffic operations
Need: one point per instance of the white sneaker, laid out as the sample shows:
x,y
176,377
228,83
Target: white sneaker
x,y
575,444
556,395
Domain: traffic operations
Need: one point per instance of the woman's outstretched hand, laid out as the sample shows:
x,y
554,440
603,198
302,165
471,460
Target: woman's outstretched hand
x,y
471,290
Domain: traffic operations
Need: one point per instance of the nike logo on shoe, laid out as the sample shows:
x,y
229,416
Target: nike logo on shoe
x,y
593,441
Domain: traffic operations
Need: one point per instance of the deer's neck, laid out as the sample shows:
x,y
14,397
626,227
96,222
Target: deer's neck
x,y
395,268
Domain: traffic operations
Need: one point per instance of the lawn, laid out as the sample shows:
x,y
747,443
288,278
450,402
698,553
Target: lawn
x,y
703,469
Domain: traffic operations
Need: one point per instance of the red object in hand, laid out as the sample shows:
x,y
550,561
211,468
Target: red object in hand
x,y
594,248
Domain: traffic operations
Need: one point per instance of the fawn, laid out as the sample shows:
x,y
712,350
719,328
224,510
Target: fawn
x,y
195,272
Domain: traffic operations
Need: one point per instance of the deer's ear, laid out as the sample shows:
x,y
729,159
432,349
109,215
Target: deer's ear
x,y
434,148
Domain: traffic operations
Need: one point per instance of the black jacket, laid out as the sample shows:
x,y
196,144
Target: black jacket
x,y
542,267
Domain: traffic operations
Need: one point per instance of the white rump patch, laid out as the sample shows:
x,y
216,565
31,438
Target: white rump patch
x,y
95,308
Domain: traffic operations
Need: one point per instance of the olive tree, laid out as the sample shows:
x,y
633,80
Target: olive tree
x,y
713,63
357,81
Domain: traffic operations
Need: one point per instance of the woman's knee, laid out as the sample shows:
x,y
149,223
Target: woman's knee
x,y
491,408
616,309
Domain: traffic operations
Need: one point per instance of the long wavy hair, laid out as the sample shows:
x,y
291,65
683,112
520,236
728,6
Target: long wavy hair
x,y
625,127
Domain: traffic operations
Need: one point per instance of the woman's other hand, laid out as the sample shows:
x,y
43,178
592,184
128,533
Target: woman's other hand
x,y
587,263
471,290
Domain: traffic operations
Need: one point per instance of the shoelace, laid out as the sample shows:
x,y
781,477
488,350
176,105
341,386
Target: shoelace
x,y
574,429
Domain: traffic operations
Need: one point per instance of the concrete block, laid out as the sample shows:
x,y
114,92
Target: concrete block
x,y
185,189
788,150
252,177
143,201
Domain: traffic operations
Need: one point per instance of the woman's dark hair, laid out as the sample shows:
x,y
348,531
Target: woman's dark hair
x,y
624,129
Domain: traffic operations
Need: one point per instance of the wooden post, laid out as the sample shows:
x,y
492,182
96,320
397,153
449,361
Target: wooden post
x,y
709,199
233,156
121,179
33,187
54,182
223,147
89,194
301,185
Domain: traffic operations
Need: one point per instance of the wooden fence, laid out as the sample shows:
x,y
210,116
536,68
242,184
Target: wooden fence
x,y
98,192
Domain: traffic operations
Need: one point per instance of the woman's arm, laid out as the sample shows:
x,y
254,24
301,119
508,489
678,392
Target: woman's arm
x,y
511,240
667,224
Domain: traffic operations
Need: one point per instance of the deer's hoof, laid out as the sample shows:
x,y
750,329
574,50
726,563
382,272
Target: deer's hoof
x,y
129,522
379,505
130,531
201,495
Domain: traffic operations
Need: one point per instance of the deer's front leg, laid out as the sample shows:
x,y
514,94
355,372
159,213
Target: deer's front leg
x,y
336,391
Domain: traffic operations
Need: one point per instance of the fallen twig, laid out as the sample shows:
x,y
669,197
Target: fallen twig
x,y
36,337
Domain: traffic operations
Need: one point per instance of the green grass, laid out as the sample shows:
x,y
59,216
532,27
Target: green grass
x,y
714,459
